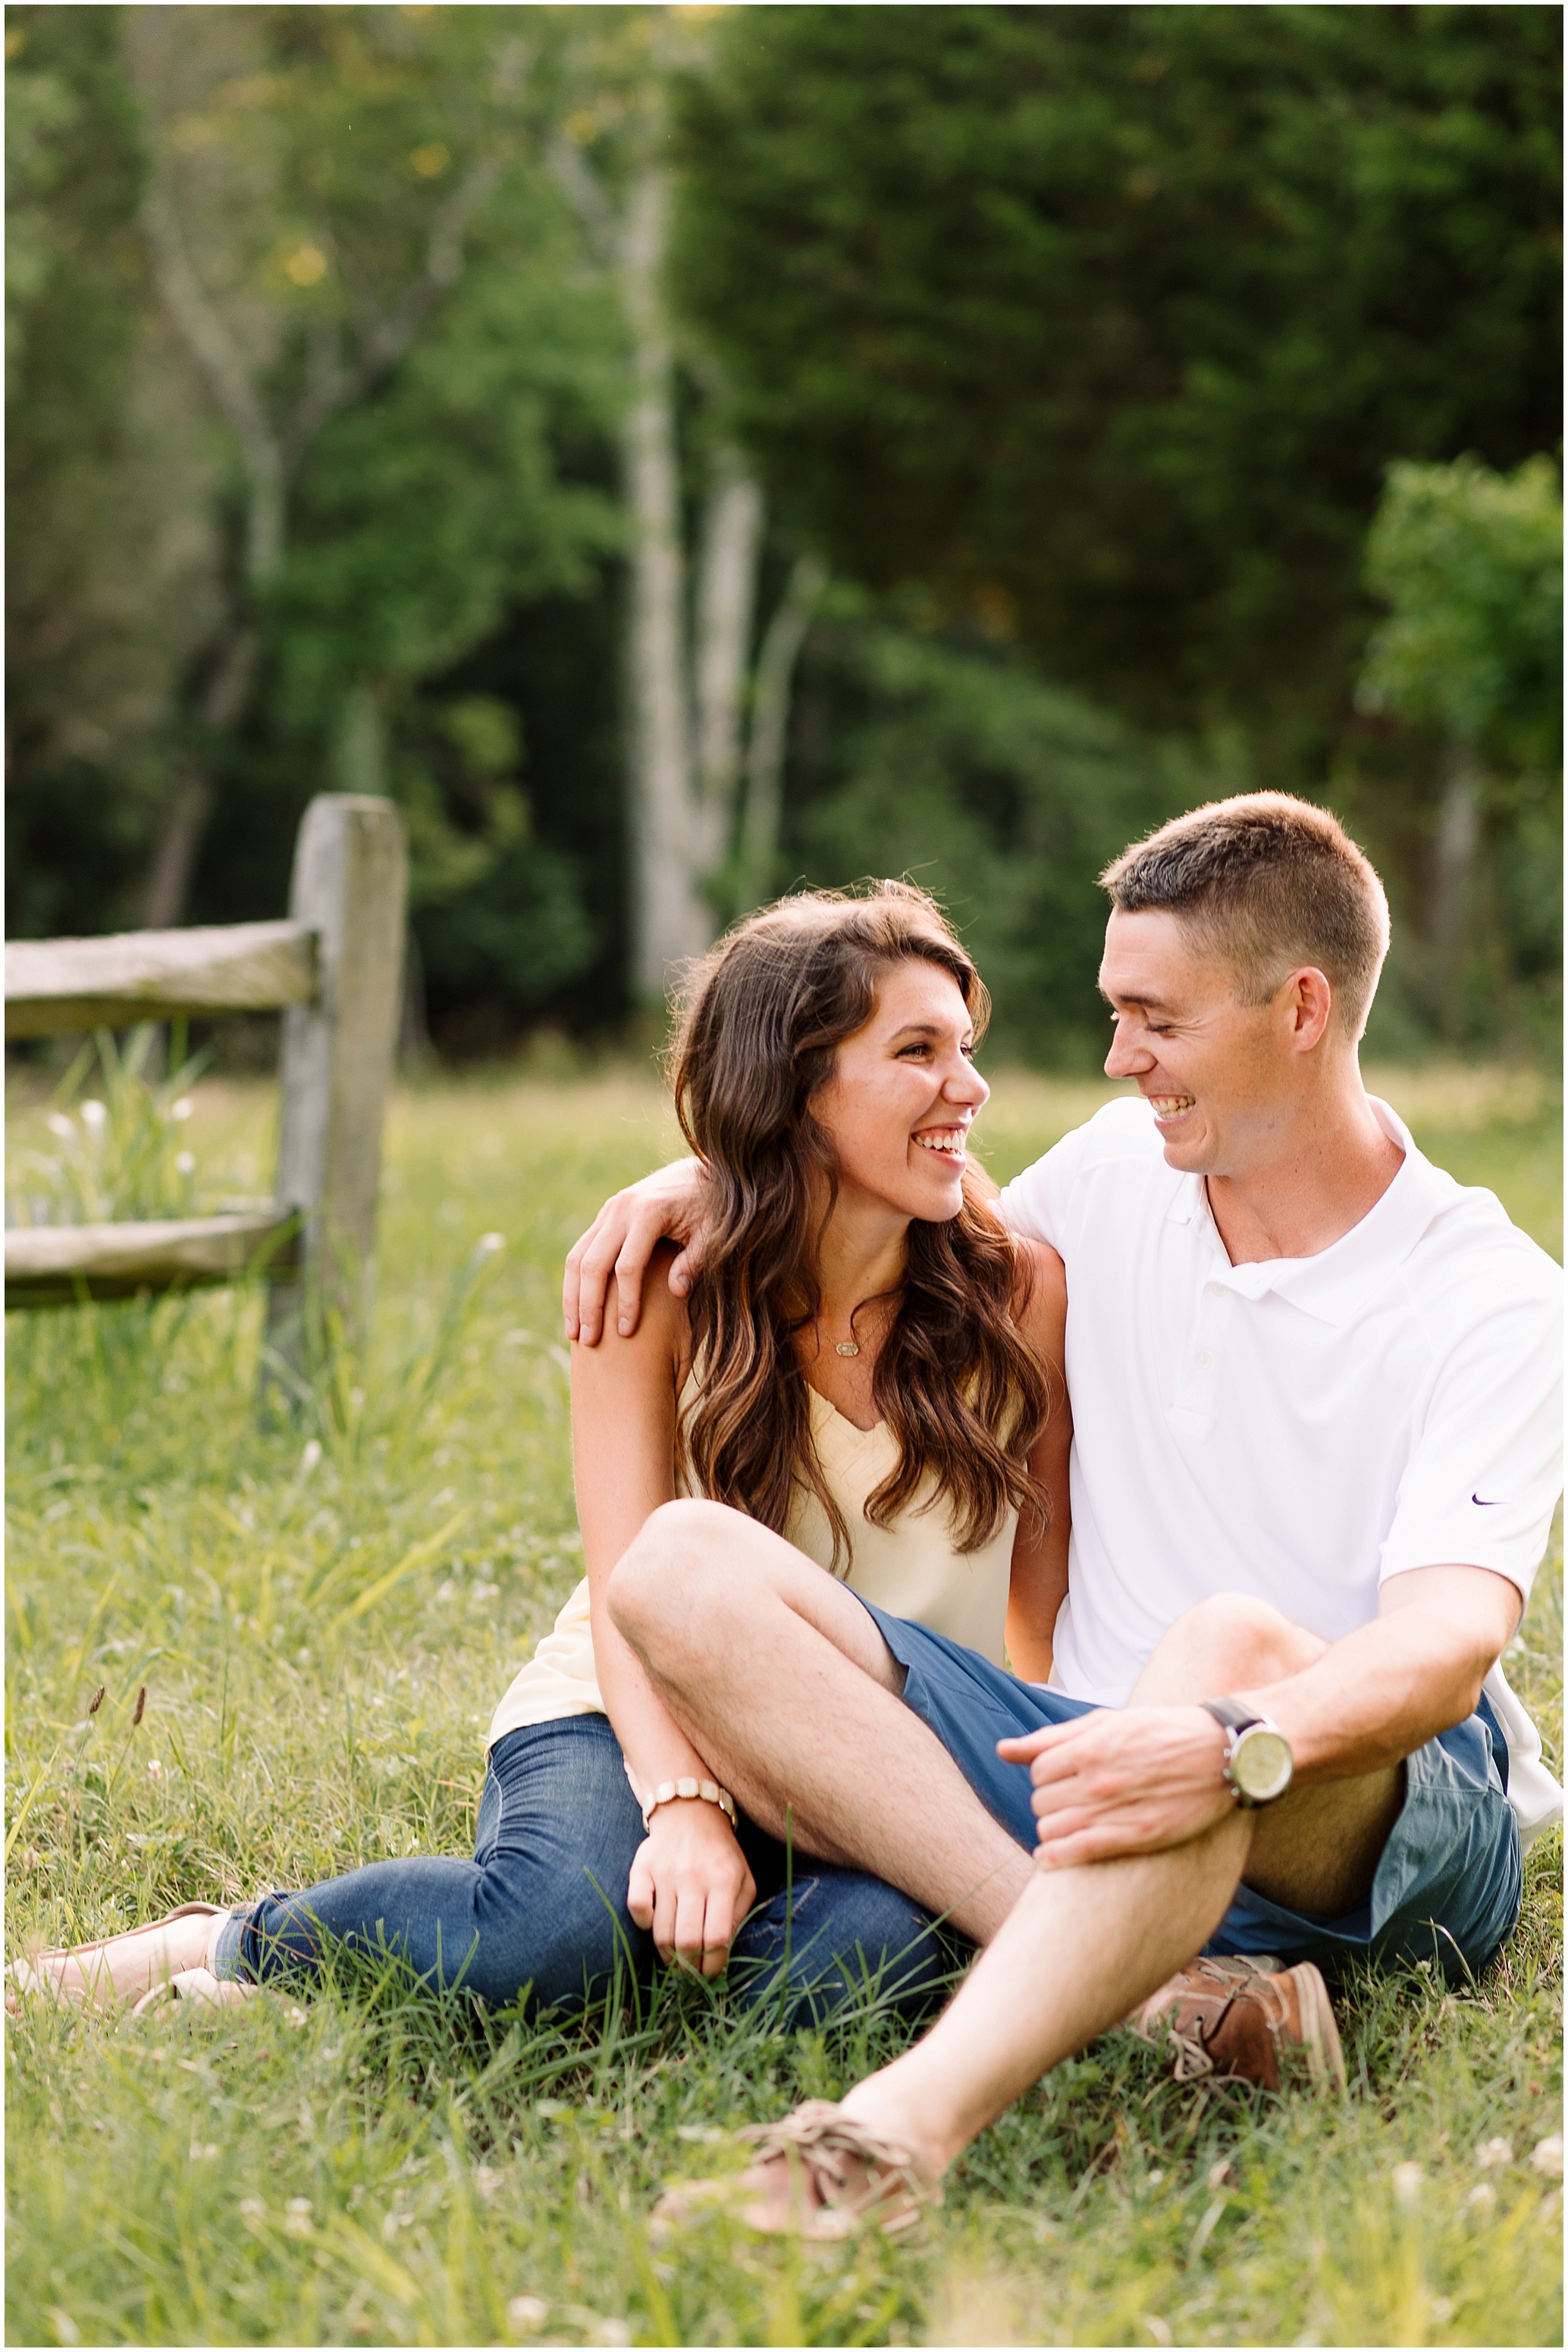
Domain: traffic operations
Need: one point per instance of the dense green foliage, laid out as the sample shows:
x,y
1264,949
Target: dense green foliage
x,y
1101,323
463,480
323,1616
93,501
967,771
1080,339
1093,332
1470,566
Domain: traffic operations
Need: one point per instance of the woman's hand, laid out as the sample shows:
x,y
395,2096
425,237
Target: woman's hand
x,y
691,1885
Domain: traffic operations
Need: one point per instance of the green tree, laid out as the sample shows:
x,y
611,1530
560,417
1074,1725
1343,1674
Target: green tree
x,y
1469,564
957,766
704,728
311,396
298,254
109,476
1100,324
424,525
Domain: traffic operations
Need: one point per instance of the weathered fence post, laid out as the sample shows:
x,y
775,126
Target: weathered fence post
x,y
350,886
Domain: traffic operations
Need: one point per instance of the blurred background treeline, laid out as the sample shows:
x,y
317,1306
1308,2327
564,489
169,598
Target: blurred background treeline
x,y
680,451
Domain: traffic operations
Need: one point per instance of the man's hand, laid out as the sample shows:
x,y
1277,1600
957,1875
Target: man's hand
x,y
691,1885
1123,1780
665,1206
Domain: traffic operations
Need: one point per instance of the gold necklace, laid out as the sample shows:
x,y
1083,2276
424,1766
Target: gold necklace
x,y
851,1346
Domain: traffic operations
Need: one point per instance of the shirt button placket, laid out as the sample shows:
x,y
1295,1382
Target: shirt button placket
x,y
1198,1388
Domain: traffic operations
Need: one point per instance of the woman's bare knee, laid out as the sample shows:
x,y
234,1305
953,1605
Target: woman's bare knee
x,y
1229,1642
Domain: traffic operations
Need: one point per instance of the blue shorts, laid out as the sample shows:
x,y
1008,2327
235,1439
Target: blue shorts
x,y
1447,1886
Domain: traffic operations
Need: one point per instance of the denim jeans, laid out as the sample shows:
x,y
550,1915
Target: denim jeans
x,y
544,1902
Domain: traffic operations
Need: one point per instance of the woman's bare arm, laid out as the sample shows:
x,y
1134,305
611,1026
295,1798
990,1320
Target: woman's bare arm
x,y
1039,1581
690,1879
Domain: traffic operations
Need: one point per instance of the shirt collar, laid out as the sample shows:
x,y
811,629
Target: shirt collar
x,y
1337,1283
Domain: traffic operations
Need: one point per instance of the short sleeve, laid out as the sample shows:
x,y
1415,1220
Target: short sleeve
x,y
1034,1204
1483,1479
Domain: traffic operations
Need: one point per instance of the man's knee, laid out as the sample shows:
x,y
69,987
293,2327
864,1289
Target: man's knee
x,y
1232,1641
660,1588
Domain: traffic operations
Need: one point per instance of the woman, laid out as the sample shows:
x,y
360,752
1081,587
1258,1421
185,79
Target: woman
x,y
861,1367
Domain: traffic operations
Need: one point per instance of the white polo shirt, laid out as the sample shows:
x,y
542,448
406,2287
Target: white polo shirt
x,y
1297,1429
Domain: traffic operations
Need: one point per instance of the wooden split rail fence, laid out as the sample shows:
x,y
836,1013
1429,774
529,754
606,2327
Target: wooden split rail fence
x,y
334,968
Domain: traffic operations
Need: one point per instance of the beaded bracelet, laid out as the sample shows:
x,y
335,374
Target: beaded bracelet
x,y
668,1791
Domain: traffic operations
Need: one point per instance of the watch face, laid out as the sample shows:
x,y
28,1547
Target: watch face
x,y
1261,1765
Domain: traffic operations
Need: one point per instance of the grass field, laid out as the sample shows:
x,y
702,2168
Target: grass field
x,y
323,1611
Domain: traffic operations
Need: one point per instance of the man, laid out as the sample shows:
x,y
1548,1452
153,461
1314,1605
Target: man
x,y
1314,1387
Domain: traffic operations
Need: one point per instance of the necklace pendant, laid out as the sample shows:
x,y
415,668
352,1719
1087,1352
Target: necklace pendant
x,y
846,1347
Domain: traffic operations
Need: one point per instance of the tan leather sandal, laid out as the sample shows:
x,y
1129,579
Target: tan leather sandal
x,y
819,2174
200,1988
139,1954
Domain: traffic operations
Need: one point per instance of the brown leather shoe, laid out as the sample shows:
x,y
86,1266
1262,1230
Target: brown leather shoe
x,y
1242,2020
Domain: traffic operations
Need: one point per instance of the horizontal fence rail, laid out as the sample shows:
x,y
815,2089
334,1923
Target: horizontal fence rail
x,y
55,1266
334,971
54,985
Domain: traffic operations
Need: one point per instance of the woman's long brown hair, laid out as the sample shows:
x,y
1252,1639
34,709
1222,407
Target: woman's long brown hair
x,y
961,1389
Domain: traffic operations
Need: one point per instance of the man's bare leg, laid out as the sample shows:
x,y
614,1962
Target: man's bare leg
x,y
1079,1948
1085,1945
782,1682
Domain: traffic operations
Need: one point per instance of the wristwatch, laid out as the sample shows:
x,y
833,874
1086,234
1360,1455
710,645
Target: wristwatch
x,y
1258,1759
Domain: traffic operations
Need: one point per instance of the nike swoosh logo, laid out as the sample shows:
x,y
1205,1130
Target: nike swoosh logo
x,y
1484,1504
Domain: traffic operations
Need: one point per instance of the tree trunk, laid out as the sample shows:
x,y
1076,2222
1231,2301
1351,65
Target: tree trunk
x,y
359,754
1458,841
174,856
271,446
770,730
184,827
726,600
671,922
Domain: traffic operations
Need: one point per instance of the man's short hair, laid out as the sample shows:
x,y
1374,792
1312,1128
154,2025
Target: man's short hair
x,y
1270,883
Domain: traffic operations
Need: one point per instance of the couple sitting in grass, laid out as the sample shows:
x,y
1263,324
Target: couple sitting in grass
x,y
1253,1524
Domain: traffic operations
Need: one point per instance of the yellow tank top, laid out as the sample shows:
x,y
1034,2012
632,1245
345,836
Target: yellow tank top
x,y
912,1569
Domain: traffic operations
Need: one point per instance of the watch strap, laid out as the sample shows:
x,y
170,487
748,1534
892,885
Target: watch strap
x,y
1230,1713
1235,1721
